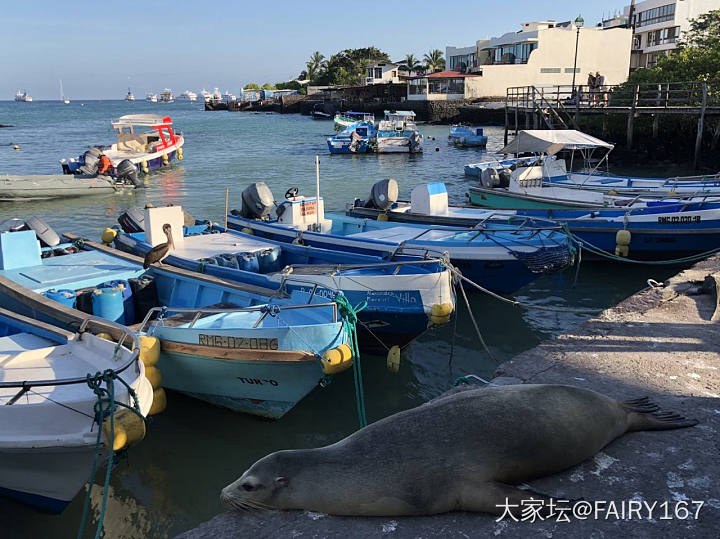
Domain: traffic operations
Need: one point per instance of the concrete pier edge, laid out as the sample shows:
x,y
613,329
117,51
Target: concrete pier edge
x,y
663,343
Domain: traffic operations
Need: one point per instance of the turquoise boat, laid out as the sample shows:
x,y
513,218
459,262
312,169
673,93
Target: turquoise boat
x,y
504,199
228,344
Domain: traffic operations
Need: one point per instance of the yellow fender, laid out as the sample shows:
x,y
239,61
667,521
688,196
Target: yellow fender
x,y
382,217
622,240
149,350
144,167
159,401
129,429
393,359
179,154
248,231
165,159
108,235
336,359
154,376
440,313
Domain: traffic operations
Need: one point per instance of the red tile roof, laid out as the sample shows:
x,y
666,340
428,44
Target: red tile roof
x,y
446,75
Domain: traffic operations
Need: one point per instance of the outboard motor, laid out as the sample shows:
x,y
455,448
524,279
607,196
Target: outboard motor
x,y
490,178
91,159
127,171
257,201
505,177
47,236
132,220
383,195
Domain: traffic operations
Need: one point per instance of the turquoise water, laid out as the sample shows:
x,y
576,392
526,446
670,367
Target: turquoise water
x,y
172,480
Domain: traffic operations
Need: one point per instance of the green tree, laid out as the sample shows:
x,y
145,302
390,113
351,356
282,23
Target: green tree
x,y
348,66
410,63
434,60
252,86
315,66
268,86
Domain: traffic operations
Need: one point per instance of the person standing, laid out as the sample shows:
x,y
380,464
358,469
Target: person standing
x,y
600,86
591,88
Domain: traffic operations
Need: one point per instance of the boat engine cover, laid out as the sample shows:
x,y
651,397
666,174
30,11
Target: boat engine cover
x,y
47,236
127,171
490,178
91,159
257,201
383,194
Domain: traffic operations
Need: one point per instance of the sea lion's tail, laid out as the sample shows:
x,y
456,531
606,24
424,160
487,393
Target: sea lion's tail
x,y
646,415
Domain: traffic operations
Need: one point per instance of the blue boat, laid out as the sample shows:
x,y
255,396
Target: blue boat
x,y
225,343
659,230
462,135
398,133
343,120
500,257
402,297
356,138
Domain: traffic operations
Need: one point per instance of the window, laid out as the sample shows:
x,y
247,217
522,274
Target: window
x,y
655,15
417,87
447,86
551,70
394,74
663,36
570,70
369,72
378,72
636,42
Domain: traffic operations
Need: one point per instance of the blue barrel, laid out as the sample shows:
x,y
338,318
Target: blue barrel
x,y
108,304
479,131
128,302
66,297
269,259
248,262
227,260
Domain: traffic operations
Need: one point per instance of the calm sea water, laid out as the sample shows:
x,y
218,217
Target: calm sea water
x,y
172,480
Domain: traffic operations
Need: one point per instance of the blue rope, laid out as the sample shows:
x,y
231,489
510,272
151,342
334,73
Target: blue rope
x,y
349,316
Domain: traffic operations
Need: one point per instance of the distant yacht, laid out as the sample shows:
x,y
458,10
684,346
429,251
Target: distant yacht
x,y
151,97
207,96
62,95
23,96
187,95
166,96
129,96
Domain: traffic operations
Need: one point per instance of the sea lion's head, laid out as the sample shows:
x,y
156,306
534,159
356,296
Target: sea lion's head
x,y
262,486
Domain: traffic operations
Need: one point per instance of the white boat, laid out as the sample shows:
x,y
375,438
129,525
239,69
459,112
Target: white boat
x,y
23,97
129,96
149,150
207,96
62,94
187,95
49,430
397,133
166,96
227,97
152,98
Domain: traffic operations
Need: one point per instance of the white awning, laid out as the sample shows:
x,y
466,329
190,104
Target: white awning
x,y
551,141
141,119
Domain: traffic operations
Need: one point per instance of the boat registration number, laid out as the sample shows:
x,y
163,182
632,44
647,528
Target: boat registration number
x,y
308,208
679,219
249,343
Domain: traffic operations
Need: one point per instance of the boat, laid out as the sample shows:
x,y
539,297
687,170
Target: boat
x,y
397,133
474,170
187,95
152,98
166,96
129,96
227,97
228,344
23,97
207,96
499,257
343,120
63,98
356,138
659,230
320,112
47,186
49,426
402,294
147,150
465,136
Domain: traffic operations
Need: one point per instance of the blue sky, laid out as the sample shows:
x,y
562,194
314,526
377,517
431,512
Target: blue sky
x,y
100,48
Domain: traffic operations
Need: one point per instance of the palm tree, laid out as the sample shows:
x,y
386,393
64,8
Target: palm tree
x,y
315,65
410,63
434,60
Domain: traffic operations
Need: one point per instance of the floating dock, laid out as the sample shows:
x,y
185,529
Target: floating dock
x,y
662,343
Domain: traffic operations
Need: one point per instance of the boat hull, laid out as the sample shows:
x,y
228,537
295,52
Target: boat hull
x,y
49,186
502,199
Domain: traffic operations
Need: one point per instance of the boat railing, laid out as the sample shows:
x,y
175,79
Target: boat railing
x,y
125,334
264,309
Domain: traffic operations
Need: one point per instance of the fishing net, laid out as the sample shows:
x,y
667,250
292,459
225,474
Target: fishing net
x,y
546,259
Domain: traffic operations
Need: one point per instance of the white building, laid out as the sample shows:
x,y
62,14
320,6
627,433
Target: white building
x,y
659,23
540,54
382,73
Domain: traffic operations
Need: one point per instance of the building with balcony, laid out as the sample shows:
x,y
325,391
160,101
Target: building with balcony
x,y
658,24
539,54
382,73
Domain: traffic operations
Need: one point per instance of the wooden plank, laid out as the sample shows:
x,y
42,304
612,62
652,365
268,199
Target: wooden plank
x,y
243,354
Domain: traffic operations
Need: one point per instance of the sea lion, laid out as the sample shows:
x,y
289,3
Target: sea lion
x,y
461,452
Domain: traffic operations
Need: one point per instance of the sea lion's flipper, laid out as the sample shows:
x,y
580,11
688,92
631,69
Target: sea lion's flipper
x,y
645,415
498,498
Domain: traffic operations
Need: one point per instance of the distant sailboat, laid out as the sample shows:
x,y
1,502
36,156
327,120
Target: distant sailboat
x,y
62,94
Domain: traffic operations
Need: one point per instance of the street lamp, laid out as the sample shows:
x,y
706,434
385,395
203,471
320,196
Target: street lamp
x,y
578,24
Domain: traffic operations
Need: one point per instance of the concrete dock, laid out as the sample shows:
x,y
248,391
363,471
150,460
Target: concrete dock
x,y
663,343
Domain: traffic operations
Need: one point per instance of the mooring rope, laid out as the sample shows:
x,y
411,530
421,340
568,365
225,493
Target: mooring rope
x,y
350,317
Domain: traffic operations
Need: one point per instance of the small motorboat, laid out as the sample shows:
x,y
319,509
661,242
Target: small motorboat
x,y
343,120
147,150
320,112
49,426
467,137
151,98
166,96
356,138
397,133
23,97
234,345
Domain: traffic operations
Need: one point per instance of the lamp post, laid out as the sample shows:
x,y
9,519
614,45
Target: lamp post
x,y
578,24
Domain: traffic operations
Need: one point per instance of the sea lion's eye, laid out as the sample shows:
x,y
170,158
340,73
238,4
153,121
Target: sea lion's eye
x,y
248,486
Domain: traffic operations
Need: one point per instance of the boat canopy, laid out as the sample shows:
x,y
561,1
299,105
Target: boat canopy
x,y
355,113
399,113
141,119
551,141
